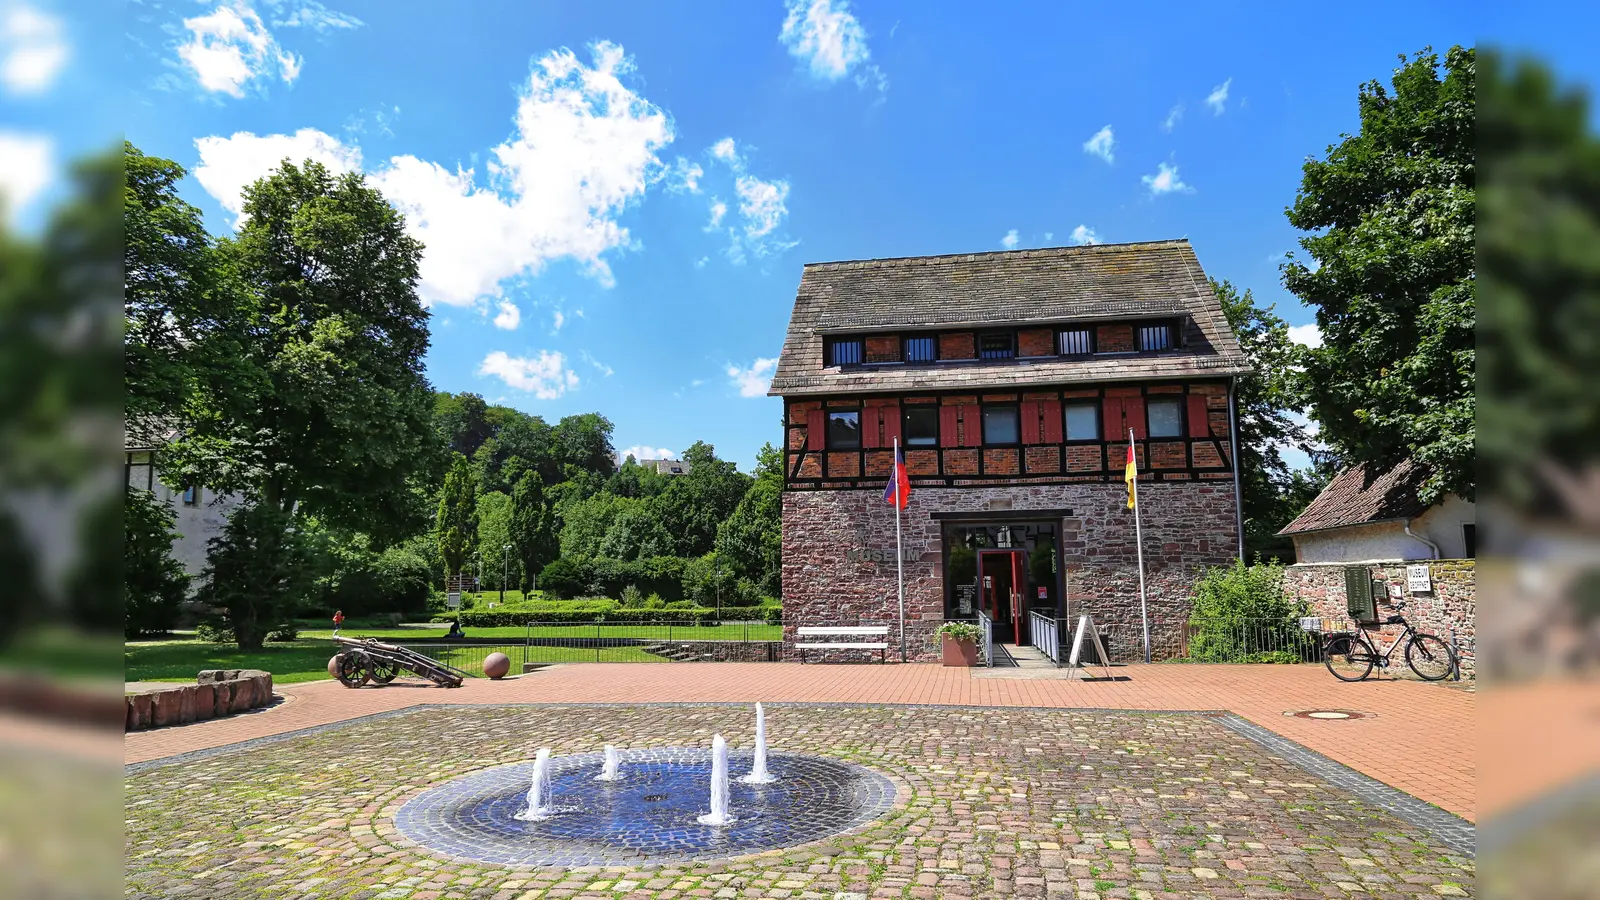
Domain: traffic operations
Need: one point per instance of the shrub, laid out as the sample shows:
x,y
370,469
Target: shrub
x,y
632,597
961,631
565,578
154,583
283,634
214,633
1240,614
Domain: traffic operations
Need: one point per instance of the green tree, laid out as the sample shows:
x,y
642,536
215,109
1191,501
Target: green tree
x,y
462,421
584,441
534,536
153,583
1539,227
1265,400
494,535
335,423
256,571
636,533
696,503
584,523
751,539
1391,214
457,519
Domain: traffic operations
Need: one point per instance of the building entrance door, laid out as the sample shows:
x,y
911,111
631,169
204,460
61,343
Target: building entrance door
x,y
1003,581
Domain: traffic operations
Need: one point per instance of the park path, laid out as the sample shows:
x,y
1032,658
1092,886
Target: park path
x,y
1417,737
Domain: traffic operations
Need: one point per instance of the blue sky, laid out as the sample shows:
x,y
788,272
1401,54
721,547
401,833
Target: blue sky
x,y
566,163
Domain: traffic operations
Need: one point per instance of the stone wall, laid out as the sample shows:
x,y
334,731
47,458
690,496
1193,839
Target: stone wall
x,y
1186,526
1450,608
218,692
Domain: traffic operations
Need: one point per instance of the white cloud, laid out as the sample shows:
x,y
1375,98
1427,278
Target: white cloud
x,y
701,262
604,369
230,47
640,452
727,151
685,177
1009,242
1165,181
33,49
1049,236
828,38
509,318
230,164
1173,115
558,320
29,168
310,14
546,376
718,210
1103,144
584,149
1308,334
1218,98
753,381
761,204
1083,234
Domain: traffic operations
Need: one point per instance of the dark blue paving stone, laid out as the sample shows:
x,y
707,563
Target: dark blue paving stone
x,y
650,815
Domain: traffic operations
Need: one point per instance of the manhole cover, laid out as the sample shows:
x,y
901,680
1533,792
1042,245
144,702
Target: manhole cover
x,y
1328,714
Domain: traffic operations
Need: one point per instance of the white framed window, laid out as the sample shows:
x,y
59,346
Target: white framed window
x,y
1075,342
1155,337
1166,418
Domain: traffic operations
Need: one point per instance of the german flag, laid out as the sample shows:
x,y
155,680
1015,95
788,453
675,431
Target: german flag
x,y
1132,474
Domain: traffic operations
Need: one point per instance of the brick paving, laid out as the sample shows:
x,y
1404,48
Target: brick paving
x,y
1419,738
994,802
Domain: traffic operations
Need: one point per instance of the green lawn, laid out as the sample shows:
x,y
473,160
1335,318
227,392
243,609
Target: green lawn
x,y
719,632
307,659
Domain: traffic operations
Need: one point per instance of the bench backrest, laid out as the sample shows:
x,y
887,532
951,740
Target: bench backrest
x,y
810,631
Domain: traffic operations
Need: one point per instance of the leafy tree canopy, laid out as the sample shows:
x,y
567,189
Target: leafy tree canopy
x,y
1390,214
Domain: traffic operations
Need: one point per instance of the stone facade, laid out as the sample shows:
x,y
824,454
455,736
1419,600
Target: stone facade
x,y
217,692
828,581
1449,610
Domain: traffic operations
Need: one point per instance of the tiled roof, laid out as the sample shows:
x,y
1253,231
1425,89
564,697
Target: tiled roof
x,y
1097,282
1359,497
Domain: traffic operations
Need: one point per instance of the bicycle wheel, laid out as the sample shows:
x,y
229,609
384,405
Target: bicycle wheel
x,y
1348,656
1430,657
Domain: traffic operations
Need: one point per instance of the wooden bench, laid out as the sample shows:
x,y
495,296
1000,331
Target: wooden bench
x,y
817,631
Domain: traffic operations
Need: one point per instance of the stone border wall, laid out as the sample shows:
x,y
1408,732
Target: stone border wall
x,y
218,692
1451,607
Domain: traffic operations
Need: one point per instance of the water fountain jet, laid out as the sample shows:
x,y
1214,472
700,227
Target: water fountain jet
x,y
608,772
720,814
758,771
539,793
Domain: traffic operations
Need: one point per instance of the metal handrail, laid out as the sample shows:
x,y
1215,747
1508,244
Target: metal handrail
x,y
1044,632
986,626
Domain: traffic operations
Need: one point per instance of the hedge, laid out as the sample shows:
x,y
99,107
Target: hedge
x,y
604,611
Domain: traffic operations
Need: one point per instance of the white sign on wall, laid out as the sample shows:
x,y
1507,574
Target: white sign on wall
x,y
453,599
1417,580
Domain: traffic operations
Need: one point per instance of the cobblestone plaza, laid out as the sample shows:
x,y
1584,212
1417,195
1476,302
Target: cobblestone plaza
x,y
988,802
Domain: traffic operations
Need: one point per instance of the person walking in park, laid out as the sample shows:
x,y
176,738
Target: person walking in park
x,y
338,620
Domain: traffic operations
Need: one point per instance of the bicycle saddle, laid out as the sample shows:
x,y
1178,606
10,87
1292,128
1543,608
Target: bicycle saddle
x,y
1395,620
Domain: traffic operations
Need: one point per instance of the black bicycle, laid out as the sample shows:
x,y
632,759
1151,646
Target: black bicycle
x,y
1350,656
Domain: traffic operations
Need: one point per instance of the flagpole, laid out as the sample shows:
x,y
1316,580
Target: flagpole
x,y
1138,531
899,557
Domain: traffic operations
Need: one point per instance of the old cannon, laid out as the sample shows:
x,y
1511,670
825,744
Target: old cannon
x,y
361,661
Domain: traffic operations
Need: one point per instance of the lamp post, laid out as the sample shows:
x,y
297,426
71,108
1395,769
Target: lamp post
x,y
505,571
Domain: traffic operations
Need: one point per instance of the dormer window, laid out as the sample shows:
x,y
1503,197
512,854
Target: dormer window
x,y
1155,337
997,345
844,352
920,349
1075,342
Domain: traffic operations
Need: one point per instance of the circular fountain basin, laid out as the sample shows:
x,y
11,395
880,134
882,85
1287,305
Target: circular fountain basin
x,y
648,815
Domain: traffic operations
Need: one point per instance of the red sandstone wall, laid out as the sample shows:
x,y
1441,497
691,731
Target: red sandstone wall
x,y
1186,526
1451,606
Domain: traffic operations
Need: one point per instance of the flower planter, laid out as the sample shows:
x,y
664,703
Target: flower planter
x,y
958,652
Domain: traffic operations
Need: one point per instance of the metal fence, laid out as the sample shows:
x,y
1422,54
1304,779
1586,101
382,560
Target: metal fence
x,y
560,642
986,642
1213,641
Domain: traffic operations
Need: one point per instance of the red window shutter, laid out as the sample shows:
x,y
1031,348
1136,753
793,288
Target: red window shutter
x,y
972,425
891,425
1199,423
1050,412
1030,421
1133,417
870,417
1111,428
816,430
947,427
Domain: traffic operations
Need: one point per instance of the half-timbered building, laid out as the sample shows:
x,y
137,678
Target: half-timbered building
x,y
1012,381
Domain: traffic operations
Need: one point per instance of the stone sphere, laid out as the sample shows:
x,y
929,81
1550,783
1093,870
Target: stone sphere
x,y
496,665
333,666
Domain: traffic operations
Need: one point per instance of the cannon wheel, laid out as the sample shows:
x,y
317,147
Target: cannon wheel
x,y
382,671
353,670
